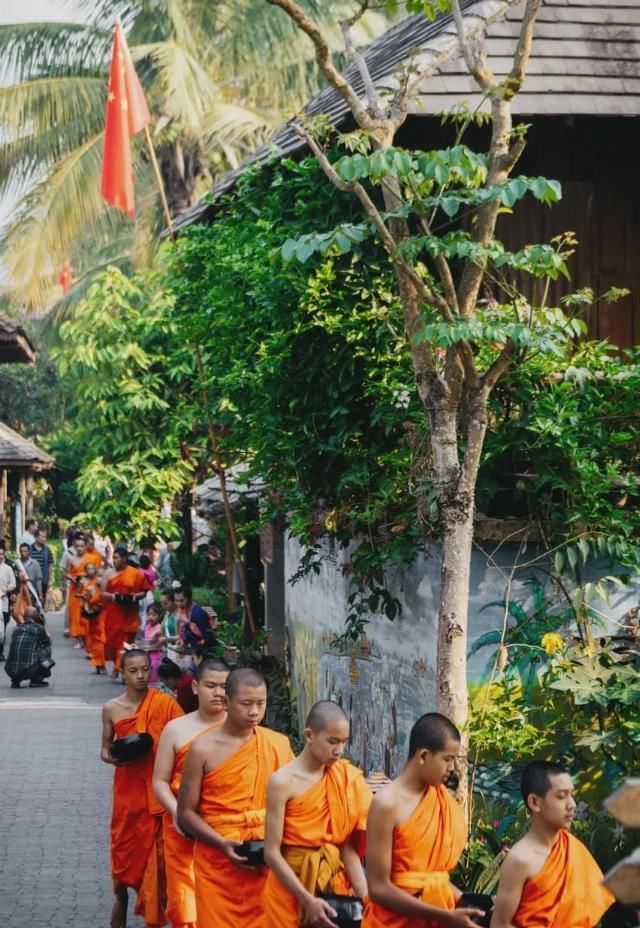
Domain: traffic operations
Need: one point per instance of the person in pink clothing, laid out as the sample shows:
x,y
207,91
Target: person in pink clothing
x,y
153,642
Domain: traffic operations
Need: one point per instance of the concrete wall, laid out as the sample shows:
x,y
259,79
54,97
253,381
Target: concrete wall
x,y
387,680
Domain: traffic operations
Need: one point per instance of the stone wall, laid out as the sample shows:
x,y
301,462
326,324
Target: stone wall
x,y
387,680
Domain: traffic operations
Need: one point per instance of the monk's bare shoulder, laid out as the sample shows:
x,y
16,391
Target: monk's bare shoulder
x,y
283,776
525,858
386,801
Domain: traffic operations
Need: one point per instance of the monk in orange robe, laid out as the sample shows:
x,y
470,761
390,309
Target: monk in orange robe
x,y
136,822
316,819
415,834
221,802
123,588
90,594
177,738
75,574
549,879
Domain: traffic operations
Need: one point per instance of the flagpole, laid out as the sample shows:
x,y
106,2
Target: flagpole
x,y
160,182
213,438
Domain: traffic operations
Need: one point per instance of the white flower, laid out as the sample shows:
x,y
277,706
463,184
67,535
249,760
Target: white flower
x,y
402,399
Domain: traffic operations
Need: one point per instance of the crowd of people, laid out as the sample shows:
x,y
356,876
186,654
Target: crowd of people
x,y
112,600
218,824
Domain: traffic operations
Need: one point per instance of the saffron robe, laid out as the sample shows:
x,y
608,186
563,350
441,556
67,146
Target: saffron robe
x,y
425,849
136,820
90,595
122,621
178,853
317,824
77,624
233,801
567,893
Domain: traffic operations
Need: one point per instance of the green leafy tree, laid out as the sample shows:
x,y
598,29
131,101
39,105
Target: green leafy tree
x,y
128,379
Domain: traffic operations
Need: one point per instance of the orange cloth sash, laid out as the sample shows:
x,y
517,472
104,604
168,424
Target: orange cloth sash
x,y
136,823
425,849
233,801
316,825
178,853
120,620
567,893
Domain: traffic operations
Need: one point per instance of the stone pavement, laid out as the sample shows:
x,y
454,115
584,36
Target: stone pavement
x,y
56,797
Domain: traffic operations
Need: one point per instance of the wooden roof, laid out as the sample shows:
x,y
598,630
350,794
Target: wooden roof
x,y
15,346
585,60
19,453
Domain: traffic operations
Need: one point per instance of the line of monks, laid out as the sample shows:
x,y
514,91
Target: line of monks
x,y
103,606
217,779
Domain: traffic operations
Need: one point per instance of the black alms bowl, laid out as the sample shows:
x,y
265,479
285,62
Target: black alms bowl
x,y
132,747
348,909
478,901
253,851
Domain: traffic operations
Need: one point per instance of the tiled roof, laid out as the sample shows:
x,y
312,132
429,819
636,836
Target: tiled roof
x,y
585,59
15,346
16,451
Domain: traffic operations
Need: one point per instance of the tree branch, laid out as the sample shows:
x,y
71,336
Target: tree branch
x,y
323,57
523,50
499,367
426,293
475,62
373,102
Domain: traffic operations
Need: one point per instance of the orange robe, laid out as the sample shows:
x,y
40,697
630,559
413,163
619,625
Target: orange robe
x,y
425,849
178,854
90,595
316,825
136,820
567,893
94,557
121,622
77,624
233,801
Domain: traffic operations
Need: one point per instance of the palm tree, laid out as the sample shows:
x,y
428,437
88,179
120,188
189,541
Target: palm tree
x,y
218,76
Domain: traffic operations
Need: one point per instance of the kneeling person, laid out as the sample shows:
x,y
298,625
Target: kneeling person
x,y
222,800
316,819
415,835
549,879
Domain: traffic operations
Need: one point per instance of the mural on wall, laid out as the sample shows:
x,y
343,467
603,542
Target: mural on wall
x,y
381,694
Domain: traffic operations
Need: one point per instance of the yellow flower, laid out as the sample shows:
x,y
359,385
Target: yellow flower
x,y
331,521
552,642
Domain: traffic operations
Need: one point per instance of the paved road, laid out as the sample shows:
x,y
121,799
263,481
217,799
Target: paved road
x,y
56,794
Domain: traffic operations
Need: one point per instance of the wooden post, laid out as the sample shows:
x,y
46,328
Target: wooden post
x,y
22,492
29,510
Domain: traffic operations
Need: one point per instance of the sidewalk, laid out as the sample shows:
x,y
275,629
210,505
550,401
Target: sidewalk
x,y
56,798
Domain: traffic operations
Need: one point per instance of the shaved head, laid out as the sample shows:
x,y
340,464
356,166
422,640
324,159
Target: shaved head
x,y
134,652
432,731
243,676
323,713
213,664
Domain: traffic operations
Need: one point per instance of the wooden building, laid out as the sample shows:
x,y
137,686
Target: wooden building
x,y
581,100
21,462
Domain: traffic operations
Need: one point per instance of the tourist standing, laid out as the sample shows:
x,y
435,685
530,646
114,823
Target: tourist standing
x,y
41,552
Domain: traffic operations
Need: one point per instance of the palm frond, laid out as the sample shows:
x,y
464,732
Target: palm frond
x,y
230,124
32,50
63,205
185,87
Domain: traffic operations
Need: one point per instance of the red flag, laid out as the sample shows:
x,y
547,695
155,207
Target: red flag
x,y
66,277
127,113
